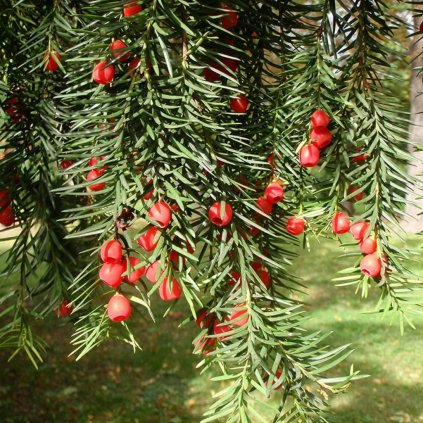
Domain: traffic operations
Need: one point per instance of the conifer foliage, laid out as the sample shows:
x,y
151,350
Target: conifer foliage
x,y
184,149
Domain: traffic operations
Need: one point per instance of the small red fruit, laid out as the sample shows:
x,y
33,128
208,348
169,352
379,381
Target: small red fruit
x,y
264,276
264,205
309,156
161,213
321,137
131,9
111,274
51,60
111,252
103,73
64,309
239,104
295,225
118,48
135,274
133,66
230,19
340,223
319,118
64,164
168,292
277,383
219,328
204,345
7,217
209,74
368,245
371,265
235,279
421,27
153,272
274,192
4,198
359,230
95,174
119,308
220,213
204,318
239,316
357,197
149,239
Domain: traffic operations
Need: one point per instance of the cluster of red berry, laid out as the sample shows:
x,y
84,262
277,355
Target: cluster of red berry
x,y
320,137
7,216
371,263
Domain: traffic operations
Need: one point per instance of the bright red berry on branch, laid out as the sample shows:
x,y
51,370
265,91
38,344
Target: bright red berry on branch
x,y
7,217
153,272
321,137
103,73
230,19
135,274
295,225
64,309
111,252
220,213
371,265
131,8
368,245
204,345
204,318
219,328
264,205
134,64
161,213
170,291
341,224
274,192
93,175
111,274
239,104
319,119
359,230
64,164
119,308
239,316
118,48
149,239
51,60
357,197
309,156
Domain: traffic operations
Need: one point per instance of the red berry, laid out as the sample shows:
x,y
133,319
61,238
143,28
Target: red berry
x,y
161,213
51,60
135,274
204,345
7,217
277,382
111,252
168,292
118,48
359,230
271,161
274,192
357,197
340,223
95,174
309,156
153,272
360,157
321,137
295,225
134,64
371,265
230,63
64,309
103,73
368,245
235,279
239,316
94,160
111,274
264,276
220,328
131,9
119,308
421,27
149,239
230,19
209,74
64,164
204,318
4,198
264,205
239,104
319,118
220,213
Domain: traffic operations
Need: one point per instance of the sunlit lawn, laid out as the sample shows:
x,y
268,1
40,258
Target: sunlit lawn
x,y
160,384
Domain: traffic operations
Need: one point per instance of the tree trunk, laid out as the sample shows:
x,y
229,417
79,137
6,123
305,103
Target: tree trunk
x,y
413,222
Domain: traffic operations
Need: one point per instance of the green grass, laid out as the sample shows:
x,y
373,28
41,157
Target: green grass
x,y
160,384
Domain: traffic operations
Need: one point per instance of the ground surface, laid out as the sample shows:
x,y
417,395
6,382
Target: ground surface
x,y
160,384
